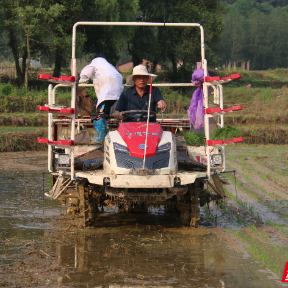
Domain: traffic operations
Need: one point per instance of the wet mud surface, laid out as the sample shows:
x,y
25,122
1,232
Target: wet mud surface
x,y
234,246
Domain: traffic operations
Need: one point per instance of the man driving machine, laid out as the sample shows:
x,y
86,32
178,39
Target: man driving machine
x,y
137,97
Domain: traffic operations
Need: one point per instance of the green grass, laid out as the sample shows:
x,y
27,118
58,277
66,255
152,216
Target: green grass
x,y
11,129
266,95
14,99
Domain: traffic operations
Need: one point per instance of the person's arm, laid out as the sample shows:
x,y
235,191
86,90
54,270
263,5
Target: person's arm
x,y
86,73
162,105
159,99
119,116
121,107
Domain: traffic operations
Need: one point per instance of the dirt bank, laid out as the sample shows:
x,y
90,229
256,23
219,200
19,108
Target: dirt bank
x,y
12,142
34,120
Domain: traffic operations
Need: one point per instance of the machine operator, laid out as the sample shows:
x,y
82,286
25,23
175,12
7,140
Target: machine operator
x,y
137,97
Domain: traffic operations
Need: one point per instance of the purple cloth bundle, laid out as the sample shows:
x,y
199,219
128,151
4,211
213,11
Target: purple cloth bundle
x,y
195,111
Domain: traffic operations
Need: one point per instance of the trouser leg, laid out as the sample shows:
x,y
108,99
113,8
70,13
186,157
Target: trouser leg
x,y
101,130
99,119
106,111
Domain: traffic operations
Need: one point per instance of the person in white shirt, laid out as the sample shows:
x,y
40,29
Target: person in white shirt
x,y
107,81
108,85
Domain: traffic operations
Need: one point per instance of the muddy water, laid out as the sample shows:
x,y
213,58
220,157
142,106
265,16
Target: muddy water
x,y
22,204
157,259
150,251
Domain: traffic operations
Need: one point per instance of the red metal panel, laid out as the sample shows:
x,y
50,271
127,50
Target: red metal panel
x,y
134,134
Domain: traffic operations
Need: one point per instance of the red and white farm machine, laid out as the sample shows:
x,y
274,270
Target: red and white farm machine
x,y
121,171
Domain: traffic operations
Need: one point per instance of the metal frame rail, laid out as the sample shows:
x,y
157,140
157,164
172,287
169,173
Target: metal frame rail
x,y
218,88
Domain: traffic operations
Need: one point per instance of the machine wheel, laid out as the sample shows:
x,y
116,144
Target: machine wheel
x,y
87,205
194,198
188,207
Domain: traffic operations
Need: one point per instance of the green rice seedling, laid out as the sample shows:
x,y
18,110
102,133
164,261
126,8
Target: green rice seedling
x,y
279,248
239,201
262,176
240,220
262,256
259,217
226,133
277,226
194,139
230,158
210,216
281,201
248,191
276,267
237,233
231,214
254,229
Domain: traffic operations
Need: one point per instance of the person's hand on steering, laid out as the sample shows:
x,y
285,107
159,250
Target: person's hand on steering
x,y
162,105
123,118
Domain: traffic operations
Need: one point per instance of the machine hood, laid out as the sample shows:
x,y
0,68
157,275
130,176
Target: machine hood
x,y
134,135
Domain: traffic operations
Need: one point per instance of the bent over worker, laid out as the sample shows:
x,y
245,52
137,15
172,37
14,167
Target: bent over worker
x,y
137,97
108,86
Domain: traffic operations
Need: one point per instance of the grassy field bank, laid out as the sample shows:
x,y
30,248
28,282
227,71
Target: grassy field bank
x,y
22,141
263,119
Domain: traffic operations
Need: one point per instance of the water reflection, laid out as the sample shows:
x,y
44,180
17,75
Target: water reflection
x,y
137,258
22,204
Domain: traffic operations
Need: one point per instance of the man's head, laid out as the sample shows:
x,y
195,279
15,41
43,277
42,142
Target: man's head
x,y
140,81
140,76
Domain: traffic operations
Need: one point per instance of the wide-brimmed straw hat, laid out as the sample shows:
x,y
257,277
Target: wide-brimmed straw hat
x,y
139,70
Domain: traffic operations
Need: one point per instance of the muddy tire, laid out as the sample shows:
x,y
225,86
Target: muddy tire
x,y
188,207
87,204
195,208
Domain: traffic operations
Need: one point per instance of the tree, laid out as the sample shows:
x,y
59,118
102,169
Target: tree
x,y
174,43
29,14
10,24
107,40
59,27
24,22
254,32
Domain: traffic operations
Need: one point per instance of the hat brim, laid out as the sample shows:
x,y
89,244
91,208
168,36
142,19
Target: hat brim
x,y
130,82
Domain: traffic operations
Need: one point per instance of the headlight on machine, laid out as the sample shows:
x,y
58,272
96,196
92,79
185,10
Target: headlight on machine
x,y
120,148
63,159
217,159
164,148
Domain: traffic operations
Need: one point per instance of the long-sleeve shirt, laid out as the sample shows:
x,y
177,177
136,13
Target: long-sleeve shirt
x,y
131,100
107,80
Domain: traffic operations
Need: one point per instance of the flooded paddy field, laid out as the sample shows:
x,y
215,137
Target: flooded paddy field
x,y
241,242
